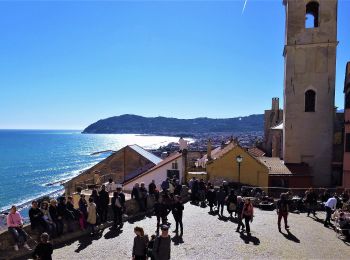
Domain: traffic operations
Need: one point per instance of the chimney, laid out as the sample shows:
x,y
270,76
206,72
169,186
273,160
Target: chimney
x,y
275,104
209,150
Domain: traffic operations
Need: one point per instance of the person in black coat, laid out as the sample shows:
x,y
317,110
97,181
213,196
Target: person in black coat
x,y
161,211
152,188
36,217
211,196
104,202
118,205
177,210
65,214
56,217
44,249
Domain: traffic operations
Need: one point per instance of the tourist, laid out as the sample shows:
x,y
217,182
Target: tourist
x,y
239,210
43,250
65,214
110,186
248,214
161,211
139,249
70,207
178,188
118,204
190,183
56,218
96,198
345,196
326,195
136,195
220,196
143,196
177,210
282,211
330,206
50,225
83,211
162,245
171,188
311,202
202,192
231,202
36,217
103,204
165,185
92,216
194,191
226,187
211,197
15,228
150,247
152,188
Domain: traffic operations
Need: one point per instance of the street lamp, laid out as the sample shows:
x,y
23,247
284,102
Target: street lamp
x,y
239,160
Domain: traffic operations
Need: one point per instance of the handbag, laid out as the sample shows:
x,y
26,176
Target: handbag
x,y
231,206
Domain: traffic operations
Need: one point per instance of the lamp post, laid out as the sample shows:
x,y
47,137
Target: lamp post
x,y
239,160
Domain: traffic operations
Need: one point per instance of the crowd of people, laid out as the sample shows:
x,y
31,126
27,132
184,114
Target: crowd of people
x,y
50,217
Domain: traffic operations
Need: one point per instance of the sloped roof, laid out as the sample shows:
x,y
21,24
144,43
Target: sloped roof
x,y
148,155
275,165
218,154
278,127
256,152
167,160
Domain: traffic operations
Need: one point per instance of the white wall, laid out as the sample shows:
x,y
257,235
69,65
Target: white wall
x,y
159,175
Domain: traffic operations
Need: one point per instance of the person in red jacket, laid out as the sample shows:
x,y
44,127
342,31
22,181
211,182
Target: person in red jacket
x,y
247,214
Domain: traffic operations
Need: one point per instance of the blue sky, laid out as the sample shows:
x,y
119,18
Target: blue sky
x,y
66,64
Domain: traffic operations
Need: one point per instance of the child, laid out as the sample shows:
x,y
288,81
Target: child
x,y
44,249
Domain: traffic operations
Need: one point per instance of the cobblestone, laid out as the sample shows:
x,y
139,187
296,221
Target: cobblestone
x,y
207,237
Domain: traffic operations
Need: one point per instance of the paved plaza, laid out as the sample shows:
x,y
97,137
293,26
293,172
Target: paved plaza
x,y
207,237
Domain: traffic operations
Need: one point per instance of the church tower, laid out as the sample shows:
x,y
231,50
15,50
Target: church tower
x,y
309,85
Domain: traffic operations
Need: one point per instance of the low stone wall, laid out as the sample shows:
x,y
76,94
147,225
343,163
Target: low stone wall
x,y
7,242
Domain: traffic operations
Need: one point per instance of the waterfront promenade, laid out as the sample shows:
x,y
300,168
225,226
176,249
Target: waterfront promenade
x,y
207,237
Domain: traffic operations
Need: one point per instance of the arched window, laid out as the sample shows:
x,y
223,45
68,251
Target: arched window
x,y
310,101
347,99
311,15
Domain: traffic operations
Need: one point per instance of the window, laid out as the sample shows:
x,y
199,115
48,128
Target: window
x,y
174,166
311,16
310,101
347,143
347,99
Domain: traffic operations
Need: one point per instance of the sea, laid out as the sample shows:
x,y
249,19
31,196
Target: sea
x,y
33,162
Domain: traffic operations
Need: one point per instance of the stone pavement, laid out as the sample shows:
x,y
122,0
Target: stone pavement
x,y
207,237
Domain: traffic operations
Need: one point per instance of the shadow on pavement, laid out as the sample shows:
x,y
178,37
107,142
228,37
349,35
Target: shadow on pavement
x,y
136,219
85,241
177,240
113,232
290,236
249,238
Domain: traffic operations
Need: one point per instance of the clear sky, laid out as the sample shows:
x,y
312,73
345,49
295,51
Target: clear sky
x,y
66,64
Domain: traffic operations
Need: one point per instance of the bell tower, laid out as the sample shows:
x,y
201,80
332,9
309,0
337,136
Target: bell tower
x,y
309,85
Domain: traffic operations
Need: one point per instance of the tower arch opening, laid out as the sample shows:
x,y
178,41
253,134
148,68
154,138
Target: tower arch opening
x,y
312,15
310,100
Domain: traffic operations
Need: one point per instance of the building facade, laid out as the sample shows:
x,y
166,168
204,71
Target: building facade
x,y
346,160
309,85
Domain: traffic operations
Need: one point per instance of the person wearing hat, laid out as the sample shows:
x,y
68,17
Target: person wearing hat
x,y
177,211
44,249
162,245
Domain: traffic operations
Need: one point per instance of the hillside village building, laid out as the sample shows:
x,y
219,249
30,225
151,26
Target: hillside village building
x,y
121,166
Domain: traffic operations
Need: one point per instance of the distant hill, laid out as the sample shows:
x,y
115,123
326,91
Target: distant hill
x,y
173,126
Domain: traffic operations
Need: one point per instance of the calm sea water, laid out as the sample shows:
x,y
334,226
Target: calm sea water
x,y
32,159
